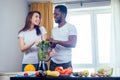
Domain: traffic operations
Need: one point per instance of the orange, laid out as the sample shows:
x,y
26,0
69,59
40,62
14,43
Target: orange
x,y
29,67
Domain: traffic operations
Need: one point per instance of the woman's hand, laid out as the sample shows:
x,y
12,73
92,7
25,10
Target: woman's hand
x,y
38,41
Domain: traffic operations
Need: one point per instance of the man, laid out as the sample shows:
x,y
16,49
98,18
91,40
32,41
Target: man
x,y
64,36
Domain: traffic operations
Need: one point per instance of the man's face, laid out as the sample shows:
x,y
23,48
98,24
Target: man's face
x,y
57,16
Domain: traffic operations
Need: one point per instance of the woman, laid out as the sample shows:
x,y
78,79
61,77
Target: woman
x,y
29,37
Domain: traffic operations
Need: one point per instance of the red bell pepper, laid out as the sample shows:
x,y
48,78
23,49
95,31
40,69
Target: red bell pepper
x,y
68,70
60,68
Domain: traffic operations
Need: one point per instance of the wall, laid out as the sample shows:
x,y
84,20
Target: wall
x,y
12,18
86,4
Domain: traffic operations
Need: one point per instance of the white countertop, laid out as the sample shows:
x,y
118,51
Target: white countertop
x,y
7,75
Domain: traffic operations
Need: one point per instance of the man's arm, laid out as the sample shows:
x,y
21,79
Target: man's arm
x,y
72,39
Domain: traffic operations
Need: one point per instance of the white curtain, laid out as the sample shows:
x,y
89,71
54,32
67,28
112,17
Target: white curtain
x,y
115,49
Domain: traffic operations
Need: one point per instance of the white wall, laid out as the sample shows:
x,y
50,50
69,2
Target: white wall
x,y
86,4
12,18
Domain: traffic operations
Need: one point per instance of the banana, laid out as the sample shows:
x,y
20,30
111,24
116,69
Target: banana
x,y
52,73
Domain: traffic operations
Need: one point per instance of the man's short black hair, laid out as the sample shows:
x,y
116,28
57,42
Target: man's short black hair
x,y
62,9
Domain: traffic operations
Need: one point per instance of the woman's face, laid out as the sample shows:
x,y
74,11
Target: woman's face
x,y
35,19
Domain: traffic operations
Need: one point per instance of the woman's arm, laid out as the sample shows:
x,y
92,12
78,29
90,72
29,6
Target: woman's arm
x,y
44,37
24,47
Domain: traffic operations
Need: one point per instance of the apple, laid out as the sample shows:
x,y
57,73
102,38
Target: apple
x,y
93,74
100,70
80,73
85,73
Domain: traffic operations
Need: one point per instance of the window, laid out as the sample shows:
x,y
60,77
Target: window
x,y
103,30
93,44
84,46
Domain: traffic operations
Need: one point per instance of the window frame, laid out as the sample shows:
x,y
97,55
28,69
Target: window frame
x,y
93,12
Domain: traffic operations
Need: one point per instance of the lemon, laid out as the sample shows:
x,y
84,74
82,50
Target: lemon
x,y
29,67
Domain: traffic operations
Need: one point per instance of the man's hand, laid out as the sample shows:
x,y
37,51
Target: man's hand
x,y
53,41
50,39
52,53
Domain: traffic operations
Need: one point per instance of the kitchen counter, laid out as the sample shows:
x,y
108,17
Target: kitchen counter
x,y
7,75
64,78
13,76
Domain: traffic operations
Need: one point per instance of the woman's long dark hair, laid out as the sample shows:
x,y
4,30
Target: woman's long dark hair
x,y
28,22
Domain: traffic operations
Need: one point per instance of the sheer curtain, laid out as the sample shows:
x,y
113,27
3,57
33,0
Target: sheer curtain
x,y
115,49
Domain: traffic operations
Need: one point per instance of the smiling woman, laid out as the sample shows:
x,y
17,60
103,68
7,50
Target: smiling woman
x,y
46,10
29,37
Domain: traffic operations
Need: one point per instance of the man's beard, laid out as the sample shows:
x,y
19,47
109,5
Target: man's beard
x,y
59,20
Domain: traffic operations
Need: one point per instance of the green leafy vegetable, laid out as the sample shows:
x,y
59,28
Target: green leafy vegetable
x,y
43,50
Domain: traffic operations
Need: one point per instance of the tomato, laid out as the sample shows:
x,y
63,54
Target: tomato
x,y
37,74
25,74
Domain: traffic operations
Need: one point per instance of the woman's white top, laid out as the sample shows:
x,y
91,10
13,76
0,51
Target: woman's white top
x,y
31,55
